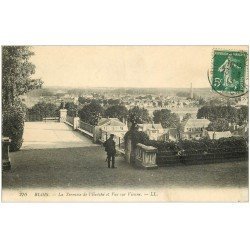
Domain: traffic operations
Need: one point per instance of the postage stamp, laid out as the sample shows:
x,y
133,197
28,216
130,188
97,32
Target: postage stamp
x,y
229,71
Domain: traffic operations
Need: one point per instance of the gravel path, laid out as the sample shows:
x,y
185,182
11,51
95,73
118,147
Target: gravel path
x,y
86,167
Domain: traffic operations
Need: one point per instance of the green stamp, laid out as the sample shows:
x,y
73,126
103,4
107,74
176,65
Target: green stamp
x,y
229,71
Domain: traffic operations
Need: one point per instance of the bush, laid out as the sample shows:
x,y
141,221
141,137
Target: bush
x,y
136,137
163,145
91,113
230,144
42,110
13,125
71,108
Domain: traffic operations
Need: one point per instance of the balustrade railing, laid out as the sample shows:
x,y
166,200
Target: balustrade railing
x,y
87,127
119,140
146,156
70,119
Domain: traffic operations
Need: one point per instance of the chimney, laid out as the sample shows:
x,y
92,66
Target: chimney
x,y
191,92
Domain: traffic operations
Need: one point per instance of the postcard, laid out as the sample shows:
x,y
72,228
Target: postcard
x,y
125,123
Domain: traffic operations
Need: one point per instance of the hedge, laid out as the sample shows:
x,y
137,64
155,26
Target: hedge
x,y
136,137
230,144
13,125
42,110
188,147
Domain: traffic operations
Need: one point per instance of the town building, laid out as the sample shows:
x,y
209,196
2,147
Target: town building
x,y
154,131
215,135
107,126
172,134
195,128
240,131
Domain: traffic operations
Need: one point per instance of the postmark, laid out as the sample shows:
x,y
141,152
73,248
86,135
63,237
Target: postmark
x,y
229,73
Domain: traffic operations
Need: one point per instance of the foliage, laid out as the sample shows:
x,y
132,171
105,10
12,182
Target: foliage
x,y
163,145
91,113
83,100
117,111
96,101
160,103
71,108
243,114
16,73
166,118
201,101
13,124
138,115
212,113
218,125
42,110
213,146
113,101
216,102
186,117
202,146
136,137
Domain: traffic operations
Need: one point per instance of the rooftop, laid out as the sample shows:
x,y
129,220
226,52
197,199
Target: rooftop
x,y
197,123
218,135
111,122
148,126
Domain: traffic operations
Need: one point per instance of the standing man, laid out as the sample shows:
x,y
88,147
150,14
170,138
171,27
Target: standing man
x,y
110,149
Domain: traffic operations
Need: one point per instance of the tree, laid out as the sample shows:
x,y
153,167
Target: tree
x,y
166,118
138,115
71,108
96,101
161,116
16,73
42,110
160,103
212,113
216,102
13,124
91,113
16,81
243,114
186,117
218,125
113,102
84,100
117,111
201,101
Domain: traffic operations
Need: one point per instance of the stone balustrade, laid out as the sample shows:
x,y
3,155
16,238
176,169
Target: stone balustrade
x,y
145,156
63,115
76,123
5,153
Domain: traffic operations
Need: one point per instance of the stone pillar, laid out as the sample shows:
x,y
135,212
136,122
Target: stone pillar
x,y
5,153
129,152
63,115
97,134
146,156
76,123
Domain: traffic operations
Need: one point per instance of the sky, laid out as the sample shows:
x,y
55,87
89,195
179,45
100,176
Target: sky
x,y
125,66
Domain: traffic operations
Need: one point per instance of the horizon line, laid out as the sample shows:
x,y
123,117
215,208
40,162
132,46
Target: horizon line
x,y
121,87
